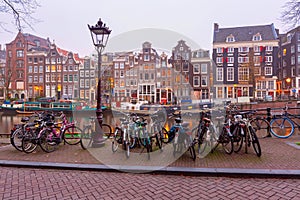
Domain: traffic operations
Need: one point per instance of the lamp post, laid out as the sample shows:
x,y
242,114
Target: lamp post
x,y
100,34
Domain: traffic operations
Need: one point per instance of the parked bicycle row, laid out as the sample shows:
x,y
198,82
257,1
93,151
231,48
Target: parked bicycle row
x,y
44,129
231,131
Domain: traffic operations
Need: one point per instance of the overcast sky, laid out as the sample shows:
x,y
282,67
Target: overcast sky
x,y
65,21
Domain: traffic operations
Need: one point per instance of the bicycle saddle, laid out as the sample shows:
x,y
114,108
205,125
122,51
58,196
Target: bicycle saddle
x,y
178,120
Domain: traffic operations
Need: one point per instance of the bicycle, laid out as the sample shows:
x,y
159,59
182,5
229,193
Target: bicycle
x,y
31,138
183,139
56,132
282,124
89,132
209,136
243,132
121,136
141,136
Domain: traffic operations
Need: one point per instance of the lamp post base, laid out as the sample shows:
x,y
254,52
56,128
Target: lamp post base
x,y
98,144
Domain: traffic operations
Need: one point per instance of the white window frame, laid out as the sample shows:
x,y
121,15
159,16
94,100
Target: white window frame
x,y
268,70
219,74
230,74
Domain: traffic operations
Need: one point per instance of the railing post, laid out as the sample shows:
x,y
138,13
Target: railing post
x,y
269,117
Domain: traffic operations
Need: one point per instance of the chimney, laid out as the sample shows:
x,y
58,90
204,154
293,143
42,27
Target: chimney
x,y
216,27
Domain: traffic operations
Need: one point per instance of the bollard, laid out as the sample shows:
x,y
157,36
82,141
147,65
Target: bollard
x,y
269,116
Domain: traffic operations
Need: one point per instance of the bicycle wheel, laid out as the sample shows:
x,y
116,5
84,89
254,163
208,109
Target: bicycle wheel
x,y
46,141
16,139
164,136
282,127
261,127
107,131
72,135
158,141
29,142
191,148
203,141
117,139
255,142
226,141
238,138
86,137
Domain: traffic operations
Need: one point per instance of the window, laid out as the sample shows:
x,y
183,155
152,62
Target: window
x,y
81,83
269,48
230,59
230,50
257,71
29,69
230,73
70,68
219,60
268,70
204,68
20,53
243,49
92,73
219,50
41,68
269,58
230,38
70,78
196,68
219,74
185,67
30,60
58,78
121,73
257,37
87,83
243,74
257,49
298,47
293,60
41,79
298,59
116,65
117,74
65,78
47,77
53,77
203,81
29,79
35,79
87,73
36,69
121,65
243,59
146,57
35,60
196,81
81,73
75,78
293,49
256,60
177,67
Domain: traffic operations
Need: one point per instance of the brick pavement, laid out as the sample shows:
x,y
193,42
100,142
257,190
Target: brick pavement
x,y
276,154
28,183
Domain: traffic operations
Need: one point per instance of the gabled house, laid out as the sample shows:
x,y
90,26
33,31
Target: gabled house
x,y
245,62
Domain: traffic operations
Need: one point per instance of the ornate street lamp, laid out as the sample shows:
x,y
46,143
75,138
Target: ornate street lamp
x,y
100,34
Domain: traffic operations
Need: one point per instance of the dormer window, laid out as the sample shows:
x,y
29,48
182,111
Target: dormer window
x,y
257,37
230,38
37,43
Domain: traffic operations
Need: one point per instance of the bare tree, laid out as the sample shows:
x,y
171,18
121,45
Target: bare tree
x,y
20,11
291,14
